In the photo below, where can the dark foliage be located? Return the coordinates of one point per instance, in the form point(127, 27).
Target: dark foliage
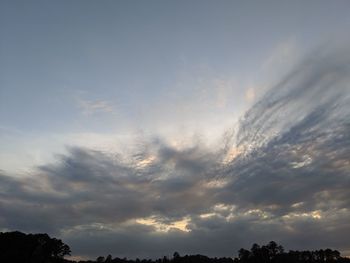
point(274, 253)
point(17, 247)
point(270, 253)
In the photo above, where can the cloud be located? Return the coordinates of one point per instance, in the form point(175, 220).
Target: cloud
point(283, 175)
point(97, 106)
point(250, 94)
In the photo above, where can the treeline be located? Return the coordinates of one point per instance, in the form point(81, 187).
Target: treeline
point(17, 247)
point(176, 259)
point(274, 253)
point(270, 253)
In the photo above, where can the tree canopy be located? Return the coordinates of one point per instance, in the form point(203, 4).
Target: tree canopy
point(32, 248)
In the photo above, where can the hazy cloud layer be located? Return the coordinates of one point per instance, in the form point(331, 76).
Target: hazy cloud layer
point(283, 175)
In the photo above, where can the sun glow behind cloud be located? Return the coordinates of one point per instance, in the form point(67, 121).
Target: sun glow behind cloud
point(165, 227)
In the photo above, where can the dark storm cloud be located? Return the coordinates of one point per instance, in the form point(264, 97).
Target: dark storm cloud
point(88, 186)
point(290, 181)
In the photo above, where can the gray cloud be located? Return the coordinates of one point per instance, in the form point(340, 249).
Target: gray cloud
point(289, 182)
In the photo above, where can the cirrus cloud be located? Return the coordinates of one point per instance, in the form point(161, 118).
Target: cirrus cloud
point(284, 175)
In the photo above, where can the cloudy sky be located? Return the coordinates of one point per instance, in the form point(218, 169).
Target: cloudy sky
point(140, 128)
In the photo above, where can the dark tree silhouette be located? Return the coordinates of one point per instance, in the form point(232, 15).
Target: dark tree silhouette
point(274, 253)
point(38, 248)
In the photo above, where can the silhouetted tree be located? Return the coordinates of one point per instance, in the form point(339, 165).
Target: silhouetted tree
point(108, 259)
point(100, 259)
point(274, 253)
point(243, 255)
point(39, 248)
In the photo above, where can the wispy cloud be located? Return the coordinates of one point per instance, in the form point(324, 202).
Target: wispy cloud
point(283, 175)
point(90, 107)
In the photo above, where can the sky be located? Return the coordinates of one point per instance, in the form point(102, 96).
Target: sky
point(140, 128)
